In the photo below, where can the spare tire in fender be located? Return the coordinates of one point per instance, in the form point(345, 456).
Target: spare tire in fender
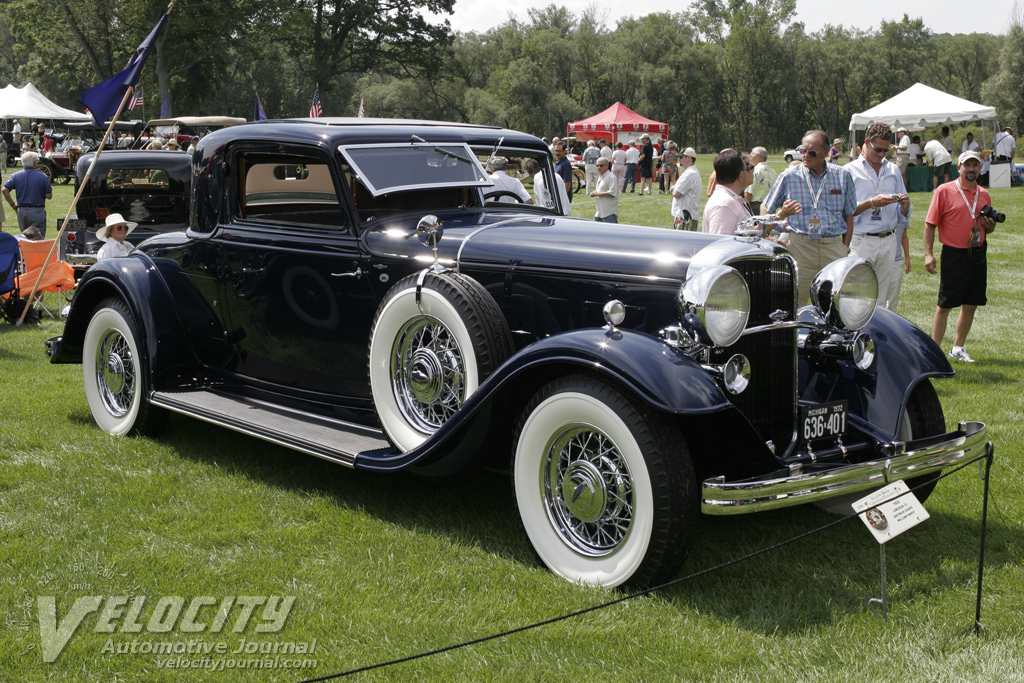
point(426, 359)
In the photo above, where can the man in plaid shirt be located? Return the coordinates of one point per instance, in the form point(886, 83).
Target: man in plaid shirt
point(821, 231)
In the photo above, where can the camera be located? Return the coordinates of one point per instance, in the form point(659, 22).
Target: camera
point(989, 212)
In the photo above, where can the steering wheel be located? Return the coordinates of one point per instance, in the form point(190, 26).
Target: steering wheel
point(497, 194)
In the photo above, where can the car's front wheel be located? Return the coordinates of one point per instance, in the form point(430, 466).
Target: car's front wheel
point(605, 488)
point(428, 356)
point(115, 381)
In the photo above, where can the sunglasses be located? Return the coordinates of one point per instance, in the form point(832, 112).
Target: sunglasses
point(119, 227)
point(750, 167)
point(812, 153)
point(880, 150)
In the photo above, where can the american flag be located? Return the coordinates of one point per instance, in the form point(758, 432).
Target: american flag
point(315, 110)
point(136, 100)
point(362, 109)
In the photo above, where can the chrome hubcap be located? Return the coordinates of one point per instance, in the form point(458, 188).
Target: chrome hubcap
point(427, 373)
point(115, 373)
point(588, 491)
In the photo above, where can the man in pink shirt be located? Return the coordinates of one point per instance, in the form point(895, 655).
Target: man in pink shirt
point(726, 207)
point(956, 212)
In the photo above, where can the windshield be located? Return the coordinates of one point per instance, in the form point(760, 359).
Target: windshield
point(415, 166)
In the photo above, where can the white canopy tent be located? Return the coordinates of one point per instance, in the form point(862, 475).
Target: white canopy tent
point(29, 103)
point(918, 107)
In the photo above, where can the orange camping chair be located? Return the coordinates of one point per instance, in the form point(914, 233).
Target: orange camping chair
point(58, 280)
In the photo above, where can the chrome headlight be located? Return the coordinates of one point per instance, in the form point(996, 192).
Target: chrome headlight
point(845, 292)
point(716, 302)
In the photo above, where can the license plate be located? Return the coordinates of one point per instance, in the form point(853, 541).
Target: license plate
point(823, 421)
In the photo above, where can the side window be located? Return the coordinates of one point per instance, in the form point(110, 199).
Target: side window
point(286, 188)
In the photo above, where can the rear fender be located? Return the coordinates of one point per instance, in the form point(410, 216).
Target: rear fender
point(168, 354)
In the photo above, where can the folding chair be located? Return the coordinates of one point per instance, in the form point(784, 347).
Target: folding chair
point(9, 256)
point(58, 280)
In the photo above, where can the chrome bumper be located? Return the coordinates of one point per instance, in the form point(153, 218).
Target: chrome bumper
point(785, 488)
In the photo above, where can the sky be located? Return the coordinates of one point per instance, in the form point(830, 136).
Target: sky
point(940, 16)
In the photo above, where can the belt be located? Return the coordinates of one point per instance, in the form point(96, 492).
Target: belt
point(30, 206)
point(879, 234)
point(824, 239)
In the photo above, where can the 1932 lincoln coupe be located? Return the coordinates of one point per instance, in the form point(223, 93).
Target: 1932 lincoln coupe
point(358, 290)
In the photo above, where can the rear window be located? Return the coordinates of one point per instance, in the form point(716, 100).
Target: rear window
point(145, 180)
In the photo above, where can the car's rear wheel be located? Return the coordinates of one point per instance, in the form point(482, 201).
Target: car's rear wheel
point(427, 358)
point(605, 488)
point(115, 380)
point(45, 170)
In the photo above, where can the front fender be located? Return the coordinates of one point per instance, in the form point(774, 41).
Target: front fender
point(905, 356)
point(659, 374)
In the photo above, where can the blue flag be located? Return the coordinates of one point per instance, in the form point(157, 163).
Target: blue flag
point(163, 109)
point(260, 115)
point(103, 99)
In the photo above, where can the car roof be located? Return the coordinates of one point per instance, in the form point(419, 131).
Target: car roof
point(356, 131)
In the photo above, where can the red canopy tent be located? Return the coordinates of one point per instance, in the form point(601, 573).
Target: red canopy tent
point(617, 122)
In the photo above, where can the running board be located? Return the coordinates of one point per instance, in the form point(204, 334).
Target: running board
point(333, 440)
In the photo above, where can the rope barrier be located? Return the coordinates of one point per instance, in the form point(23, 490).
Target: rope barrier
point(647, 591)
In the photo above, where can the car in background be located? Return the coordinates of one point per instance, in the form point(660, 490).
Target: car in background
point(148, 188)
point(353, 289)
point(791, 155)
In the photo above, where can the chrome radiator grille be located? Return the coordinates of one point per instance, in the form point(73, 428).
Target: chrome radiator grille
point(770, 398)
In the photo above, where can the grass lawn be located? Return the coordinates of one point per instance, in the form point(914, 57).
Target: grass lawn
point(383, 567)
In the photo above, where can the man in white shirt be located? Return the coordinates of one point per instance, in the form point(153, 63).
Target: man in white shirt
point(686, 193)
point(606, 194)
point(632, 160)
point(882, 207)
point(947, 142)
point(941, 161)
point(725, 208)
point(969, 144)
point(619, 163)
point(763, 178)
point(606, 151)
point(1005, 145)
point(903, 152)
point(506, 183)
point(590, 156)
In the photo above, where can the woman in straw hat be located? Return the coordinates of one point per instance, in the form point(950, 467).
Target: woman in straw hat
point(113, 233)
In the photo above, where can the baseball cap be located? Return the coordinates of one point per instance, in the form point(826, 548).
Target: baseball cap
point(969, 154)
point(689, 152)
point(901, 129)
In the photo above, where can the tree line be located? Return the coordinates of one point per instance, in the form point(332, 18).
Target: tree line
point(723, 72)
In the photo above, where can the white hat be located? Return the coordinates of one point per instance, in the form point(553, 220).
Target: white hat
point(969, 154)
point(103, 234)
point(690, 152)
point(901, 128)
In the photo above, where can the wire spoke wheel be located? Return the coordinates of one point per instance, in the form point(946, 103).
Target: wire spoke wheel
point(588, 491)
point(115, 373)
point(428, 372)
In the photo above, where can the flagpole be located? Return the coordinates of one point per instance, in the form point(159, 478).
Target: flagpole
point(81, 188)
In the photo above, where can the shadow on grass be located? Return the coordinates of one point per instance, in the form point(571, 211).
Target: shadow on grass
point(791, 589)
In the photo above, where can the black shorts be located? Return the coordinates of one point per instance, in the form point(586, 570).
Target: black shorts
point(963, 276)
point(943, 169)
point(645, 171)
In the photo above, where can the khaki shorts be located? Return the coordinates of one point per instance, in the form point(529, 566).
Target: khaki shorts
point(903, 161)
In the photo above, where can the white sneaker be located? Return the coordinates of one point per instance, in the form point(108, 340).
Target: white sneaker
point(960, 353)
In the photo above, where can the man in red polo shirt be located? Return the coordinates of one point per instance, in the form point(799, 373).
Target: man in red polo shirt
point(955, 210)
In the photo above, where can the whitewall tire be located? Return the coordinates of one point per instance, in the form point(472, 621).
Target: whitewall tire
point(605, 489)
point(426, 359)
point(115, 380)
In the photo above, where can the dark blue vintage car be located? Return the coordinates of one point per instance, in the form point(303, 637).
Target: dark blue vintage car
point(355, 289)
point(150, 189)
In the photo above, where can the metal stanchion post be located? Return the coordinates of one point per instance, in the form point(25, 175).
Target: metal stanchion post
point(989, 453)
